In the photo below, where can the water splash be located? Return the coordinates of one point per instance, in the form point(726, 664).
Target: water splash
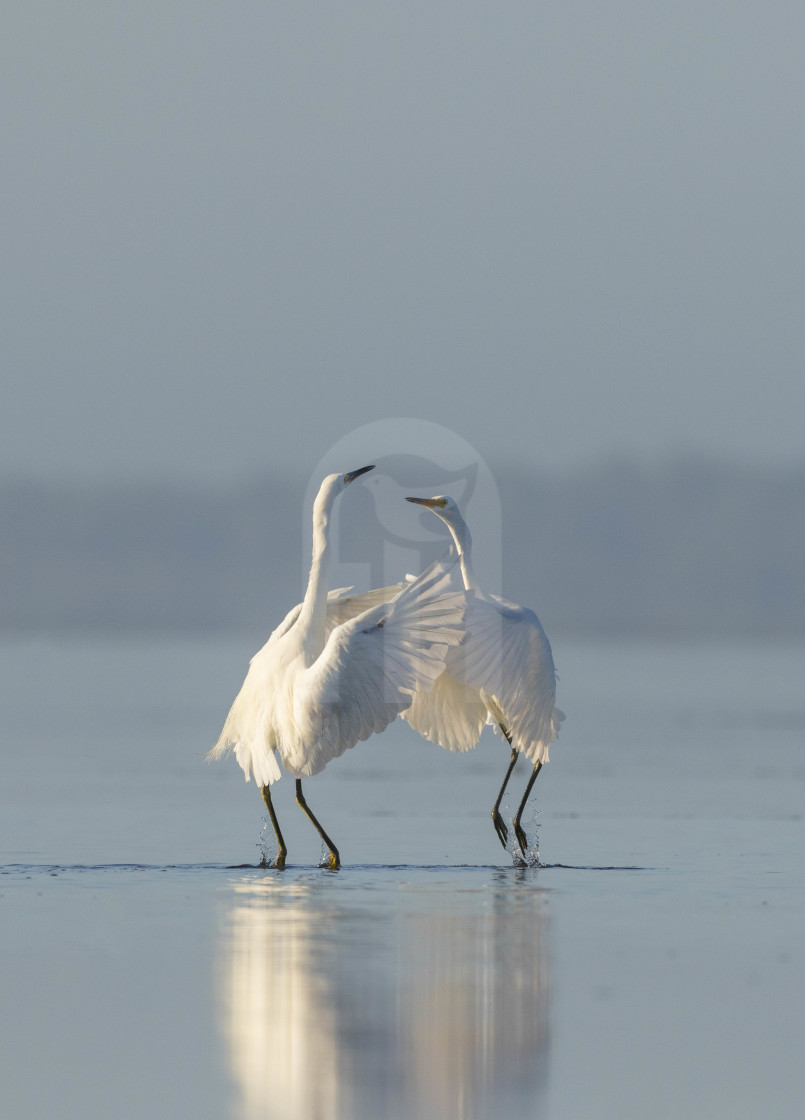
point(267, 845)
point(532, 849)
point(531, 825)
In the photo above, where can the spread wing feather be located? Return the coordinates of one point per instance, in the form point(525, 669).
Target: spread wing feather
point(503, 672)
point(509, 659)
point(374, 663)
point(451, 714)
point(341, 606)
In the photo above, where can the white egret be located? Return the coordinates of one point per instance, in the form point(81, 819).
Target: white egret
point(337, 669)
point(503, 674)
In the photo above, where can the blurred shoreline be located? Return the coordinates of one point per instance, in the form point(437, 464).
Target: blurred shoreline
point(688, 548)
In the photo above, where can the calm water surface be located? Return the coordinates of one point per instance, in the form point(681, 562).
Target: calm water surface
point(652, 967)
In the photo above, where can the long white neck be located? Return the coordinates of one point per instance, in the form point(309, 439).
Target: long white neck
point(313, 615)
point(461, 535)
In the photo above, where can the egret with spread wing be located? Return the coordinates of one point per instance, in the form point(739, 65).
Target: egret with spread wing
point(336, 669)
point(503, 674)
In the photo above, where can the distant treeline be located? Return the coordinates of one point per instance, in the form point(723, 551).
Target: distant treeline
point(688, 548)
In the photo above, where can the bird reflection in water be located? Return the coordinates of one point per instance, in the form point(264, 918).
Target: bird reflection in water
point(403, 1003)
point(281, 1020)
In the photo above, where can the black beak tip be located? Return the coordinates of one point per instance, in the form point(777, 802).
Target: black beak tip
point(350, 476)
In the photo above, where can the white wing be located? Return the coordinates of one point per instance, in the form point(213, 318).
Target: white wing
point(341, 606)
point(451, 714)
point(253, 726)
point(504, 670)
point(248, 729)
point(509, 659)
point(373, 664)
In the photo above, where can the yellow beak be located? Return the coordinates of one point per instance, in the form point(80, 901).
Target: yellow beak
point(429, 502)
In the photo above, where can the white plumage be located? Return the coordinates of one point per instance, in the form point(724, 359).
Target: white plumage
point(337, 668)
point(502, 673)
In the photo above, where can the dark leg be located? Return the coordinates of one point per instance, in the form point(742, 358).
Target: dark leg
point(334, 861)
point(522, 839)
point(279, 863)
point(497, 819)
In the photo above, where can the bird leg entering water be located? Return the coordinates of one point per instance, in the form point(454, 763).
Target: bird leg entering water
point(334, 860)
point(522, 839)
point(497, 819)
point(279, 862)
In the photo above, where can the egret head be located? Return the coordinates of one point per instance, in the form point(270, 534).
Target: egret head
point(442, 506)
point(331, 487)
point(333, 484)
point(350, 476)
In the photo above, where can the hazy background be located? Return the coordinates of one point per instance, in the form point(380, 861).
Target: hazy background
point(570, 232)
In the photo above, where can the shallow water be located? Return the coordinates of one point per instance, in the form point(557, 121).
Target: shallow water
point(652, 967)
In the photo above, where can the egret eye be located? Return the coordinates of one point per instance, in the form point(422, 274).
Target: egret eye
point(443, 502)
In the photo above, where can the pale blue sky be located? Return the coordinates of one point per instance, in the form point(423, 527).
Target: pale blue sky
point(234, 232)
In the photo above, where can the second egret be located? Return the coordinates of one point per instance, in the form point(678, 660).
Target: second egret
point(503, 673)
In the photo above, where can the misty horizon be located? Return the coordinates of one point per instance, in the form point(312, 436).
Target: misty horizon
point(684, 548)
